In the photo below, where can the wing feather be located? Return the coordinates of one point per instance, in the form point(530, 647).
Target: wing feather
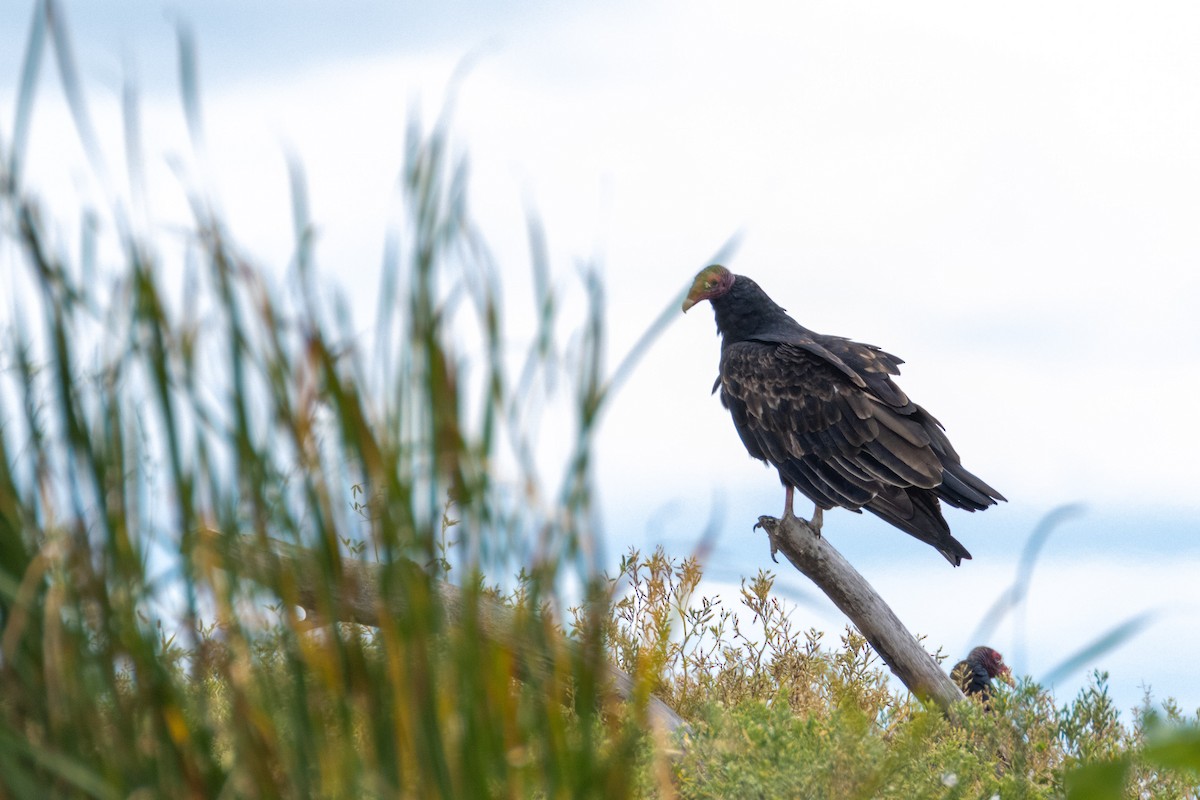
point(827, 415)
point(912, 466)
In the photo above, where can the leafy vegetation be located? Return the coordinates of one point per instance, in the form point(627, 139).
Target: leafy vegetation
point(776, 712)
point(152, 427)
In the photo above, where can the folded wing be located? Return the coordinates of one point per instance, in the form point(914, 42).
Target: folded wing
point(825, 412)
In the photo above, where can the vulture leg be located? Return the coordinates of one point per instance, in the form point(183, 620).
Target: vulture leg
point(817, 518)
point(788, 493)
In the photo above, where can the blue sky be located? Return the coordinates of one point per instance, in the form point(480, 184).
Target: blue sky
point(1006, 197)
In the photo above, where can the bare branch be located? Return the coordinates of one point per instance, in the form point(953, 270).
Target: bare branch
point(816, 558)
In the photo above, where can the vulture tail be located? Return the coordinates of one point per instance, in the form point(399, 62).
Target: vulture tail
point(916, 512)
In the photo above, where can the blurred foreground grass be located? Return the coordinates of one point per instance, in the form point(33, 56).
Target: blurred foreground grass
point(164, 406)
point(159, 413)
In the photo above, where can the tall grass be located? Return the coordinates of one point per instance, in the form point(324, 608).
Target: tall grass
point(148, 439)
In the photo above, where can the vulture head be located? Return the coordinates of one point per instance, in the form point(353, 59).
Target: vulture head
point(975, 673)
point(712, 281)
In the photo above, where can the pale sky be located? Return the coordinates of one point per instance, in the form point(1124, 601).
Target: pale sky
point(1006, 197)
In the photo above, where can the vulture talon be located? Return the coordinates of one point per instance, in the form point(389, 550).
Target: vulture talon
point(770, 525)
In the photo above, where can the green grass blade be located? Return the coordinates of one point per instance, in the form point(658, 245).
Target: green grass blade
point(27, 91)
point(1115, 637)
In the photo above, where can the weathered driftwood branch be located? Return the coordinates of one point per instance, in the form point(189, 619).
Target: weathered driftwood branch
point(850, 592)
point(360, 599)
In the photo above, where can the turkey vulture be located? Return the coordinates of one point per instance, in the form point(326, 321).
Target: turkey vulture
point(825, 412)
point(975, 672)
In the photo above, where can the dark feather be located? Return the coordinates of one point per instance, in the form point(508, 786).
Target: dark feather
point(972, 679)
point(826, 413)
point(974, 674)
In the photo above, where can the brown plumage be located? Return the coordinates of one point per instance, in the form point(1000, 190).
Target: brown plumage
point(825, 412)
point(974, 673)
